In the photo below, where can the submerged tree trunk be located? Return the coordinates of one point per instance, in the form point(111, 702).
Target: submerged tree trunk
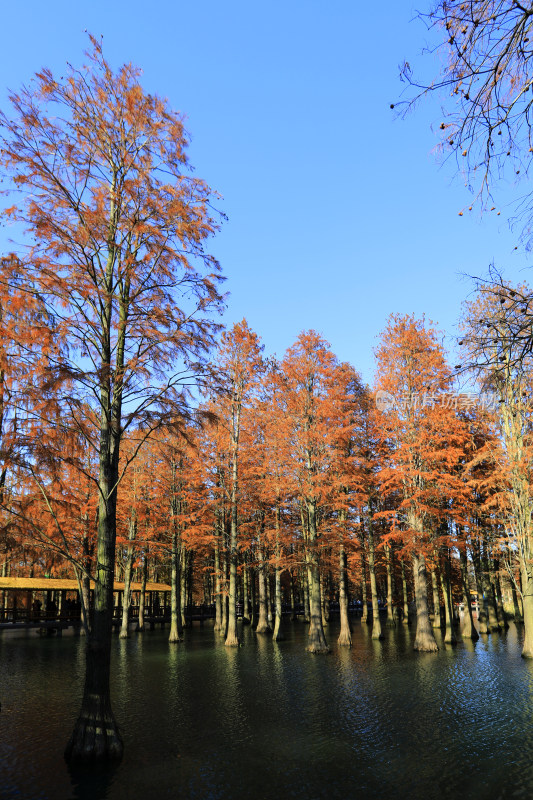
point(317, 639)
point(245, 596)
point(85, 582)
point(262, 623)
point(124, 632)
point(278, 636)
point(516, 607)
point(449, 634)
point(424, 639)
point(224, 625)
point(218, 591)
point(376, 624)
point(405, 616)
point(96, 735)
point(268, 592)
point(293, 599)
point(364, 597)
point(232, 639)
point(391, 622)
point(482, 617)
point(253, 615)
point(142, 598)
point(183, 587)
point(437, 621)
point(527, 602)
point(176, 630)
point(488, 596)
point(322, 600)
point(469, 629)
point(502, 619)
point(305, 583)
point(345, 635)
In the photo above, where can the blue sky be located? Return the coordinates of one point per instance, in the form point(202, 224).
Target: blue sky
point(339, 214)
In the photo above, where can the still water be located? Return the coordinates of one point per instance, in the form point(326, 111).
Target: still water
point(271, 721)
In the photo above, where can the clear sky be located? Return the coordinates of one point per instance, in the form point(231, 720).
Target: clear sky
point(339, 214)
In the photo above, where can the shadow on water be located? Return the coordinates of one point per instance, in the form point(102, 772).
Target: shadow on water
point(268, 720)
point(90, 781)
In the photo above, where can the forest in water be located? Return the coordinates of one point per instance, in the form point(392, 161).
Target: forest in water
point(143, 442)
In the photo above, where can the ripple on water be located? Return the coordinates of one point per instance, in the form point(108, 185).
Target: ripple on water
point(269, 720)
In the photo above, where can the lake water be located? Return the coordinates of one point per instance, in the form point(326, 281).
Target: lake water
point(271, 721)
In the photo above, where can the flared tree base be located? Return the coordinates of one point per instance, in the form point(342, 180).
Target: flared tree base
point(318, 649)
point(263, 627)
point(232, 640)
point(425, 644)
point(345, 639)
point(96, 736)
point(317, 641)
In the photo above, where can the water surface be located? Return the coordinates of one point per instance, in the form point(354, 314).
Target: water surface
point(269, 720)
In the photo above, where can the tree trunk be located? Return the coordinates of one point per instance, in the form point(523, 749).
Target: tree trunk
point(142, 598)
point(527, 603)
point(364, 615)
point(262, 624)
point(449, 634)
point(323, 601)
point(293, 600)
point(498, 596)
point(307, 611)
point(391, 622)
point(488, 595)
point(469, 629)
point(345, 636)
point(405, 617)
point(278, 636)
point(317, 639)
point(132, 529)
point(218, 591)
point(183, 587)
point(253, 617)
point(516, 607)
point(424, 639)
point(437, 619)
point(232, 639)
point(482, 618)
point(376, 623)
point(96, 735)
point(176, 630)
point(245, 596)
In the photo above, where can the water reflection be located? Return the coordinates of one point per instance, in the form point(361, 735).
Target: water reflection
point(269, 720)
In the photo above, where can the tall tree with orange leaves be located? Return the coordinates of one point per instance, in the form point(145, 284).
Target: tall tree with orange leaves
point(239, 364)
point(311, 381)
point(99, 177)
point(413, 382)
